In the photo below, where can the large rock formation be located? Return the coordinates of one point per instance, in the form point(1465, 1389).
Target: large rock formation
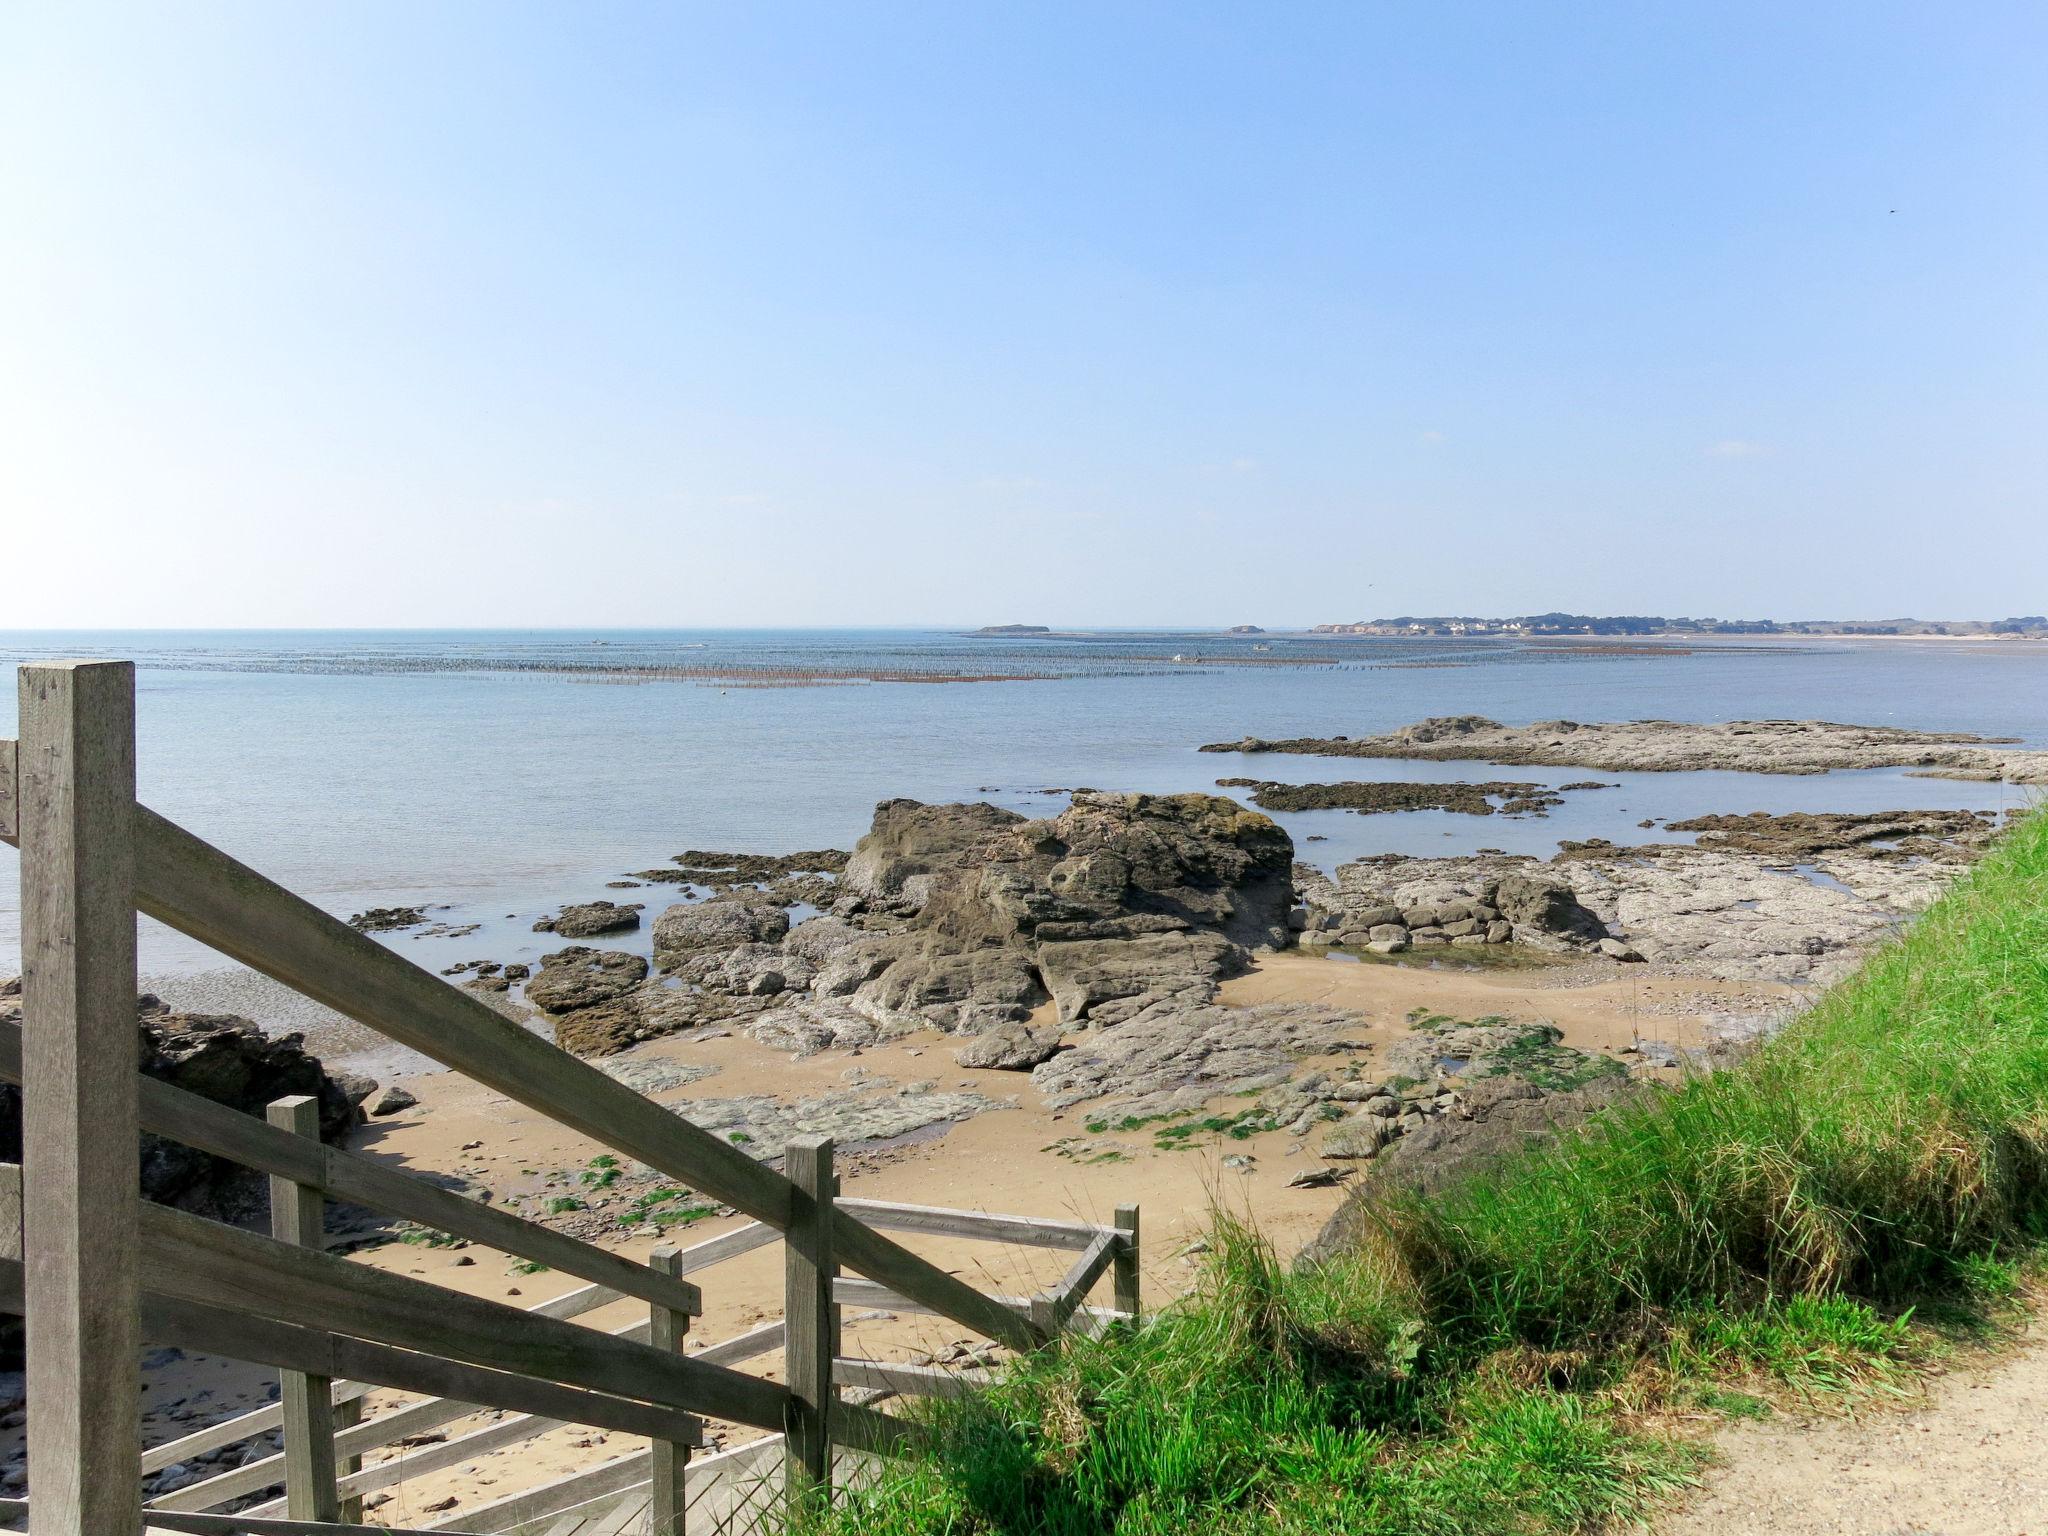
point(1119, 902)
point(963, 917)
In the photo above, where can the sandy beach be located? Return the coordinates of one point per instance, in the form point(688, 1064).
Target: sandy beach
point(1024, 1158)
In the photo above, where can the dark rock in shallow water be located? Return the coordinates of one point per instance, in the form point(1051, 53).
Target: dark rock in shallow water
point(387, 919)
point(1379, 798)
point(1950, 837)
point(724, 870)
point(588, 920)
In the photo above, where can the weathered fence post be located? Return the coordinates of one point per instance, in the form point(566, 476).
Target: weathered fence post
point(666, 1328)
point(807, 1319)
point(297, 1216)
point(1124, 1268)
point(81, 1197)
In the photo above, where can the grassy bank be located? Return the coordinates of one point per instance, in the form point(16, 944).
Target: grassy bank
point(1495, 1359)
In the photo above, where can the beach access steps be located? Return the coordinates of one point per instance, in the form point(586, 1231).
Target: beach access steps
point(97, 1271)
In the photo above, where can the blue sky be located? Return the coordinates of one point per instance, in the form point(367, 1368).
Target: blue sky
point(1094, 313)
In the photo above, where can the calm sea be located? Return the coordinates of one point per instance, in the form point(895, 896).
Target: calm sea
point(504, 772)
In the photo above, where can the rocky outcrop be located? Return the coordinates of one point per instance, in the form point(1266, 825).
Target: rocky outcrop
point(1119, 902)
point(602, 1029)
point(1735, 917)
point(805, 1026)
point(817, 939)
point(1492, 1121)
point(910, 843)
point(1544, 908)
point(1108, 979)
point(1727, 915)
point(960, 916)
point(762, 1125)
point(230, 1061)
point(1669, 746)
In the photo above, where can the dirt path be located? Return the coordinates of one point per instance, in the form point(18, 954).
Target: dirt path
point(1970, 1460)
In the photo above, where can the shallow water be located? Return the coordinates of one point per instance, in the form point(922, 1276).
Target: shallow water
point(472, 769)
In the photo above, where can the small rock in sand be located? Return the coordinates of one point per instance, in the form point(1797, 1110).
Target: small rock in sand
point(392, 1100)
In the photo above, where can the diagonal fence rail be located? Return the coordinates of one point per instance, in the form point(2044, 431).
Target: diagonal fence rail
point(96, 1270)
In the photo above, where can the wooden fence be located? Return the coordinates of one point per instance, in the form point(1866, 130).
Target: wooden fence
point(97, 1271)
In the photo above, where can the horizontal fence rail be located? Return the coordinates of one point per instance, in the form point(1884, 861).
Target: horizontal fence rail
point(14, 1517)
point(240, 1138)
point(221, 1331)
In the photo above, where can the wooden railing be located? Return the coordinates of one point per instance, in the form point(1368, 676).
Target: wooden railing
point(97, 1270)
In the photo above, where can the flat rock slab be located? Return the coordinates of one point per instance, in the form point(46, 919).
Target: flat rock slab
point(808, 1026)
point(1191, 1054)
point(1672, 746)
point(762, 1125)
point(652, 1075)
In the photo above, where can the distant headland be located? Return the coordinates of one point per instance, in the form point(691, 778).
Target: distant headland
point(2032, 625)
